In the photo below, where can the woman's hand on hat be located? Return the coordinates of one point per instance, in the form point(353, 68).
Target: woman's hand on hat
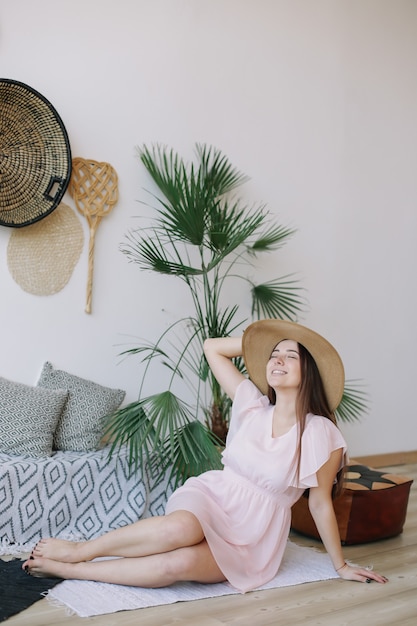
point(360, 574)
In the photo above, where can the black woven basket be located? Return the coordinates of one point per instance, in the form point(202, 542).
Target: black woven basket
point(35, 155)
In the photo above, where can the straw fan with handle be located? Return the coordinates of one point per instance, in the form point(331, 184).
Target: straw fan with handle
point(94, 187)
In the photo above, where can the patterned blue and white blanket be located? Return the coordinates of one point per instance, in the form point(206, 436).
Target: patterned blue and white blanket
point(77, 495)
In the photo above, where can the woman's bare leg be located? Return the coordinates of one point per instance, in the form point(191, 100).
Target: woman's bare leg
point(149, 536)
point(195, 563)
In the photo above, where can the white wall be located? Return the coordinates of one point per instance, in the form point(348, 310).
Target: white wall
point(315, 100)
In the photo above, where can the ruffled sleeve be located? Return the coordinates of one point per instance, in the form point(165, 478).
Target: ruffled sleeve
point(320, 438)
point(247, 398)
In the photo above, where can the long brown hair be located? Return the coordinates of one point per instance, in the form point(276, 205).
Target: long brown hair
point(311, 398)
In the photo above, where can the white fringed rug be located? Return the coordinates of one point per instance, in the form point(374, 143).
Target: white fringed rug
point(87, 599)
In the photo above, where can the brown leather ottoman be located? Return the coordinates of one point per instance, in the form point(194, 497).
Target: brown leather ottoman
point(372, 506)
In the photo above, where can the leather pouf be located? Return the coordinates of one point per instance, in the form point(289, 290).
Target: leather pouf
point(372, 506)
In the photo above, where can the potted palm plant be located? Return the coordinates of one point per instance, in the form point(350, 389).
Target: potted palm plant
point(209, 240)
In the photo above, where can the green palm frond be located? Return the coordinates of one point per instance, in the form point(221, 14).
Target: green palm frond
point(230, 225)
point(130, 426)
point(272, 239)
point(195, 449)
point(182, 209)
point(354, 403)
point(277, 298)
point(190, 193)
point(147, 349)
point(222, 322)
point(217, 172)
point(166, 414)
point(156, 254)
point(166, 169)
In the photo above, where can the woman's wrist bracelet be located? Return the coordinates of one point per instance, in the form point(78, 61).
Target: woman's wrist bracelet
point(341, 567)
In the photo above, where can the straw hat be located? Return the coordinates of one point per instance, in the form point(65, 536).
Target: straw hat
point(261, 337)
point(35, 155)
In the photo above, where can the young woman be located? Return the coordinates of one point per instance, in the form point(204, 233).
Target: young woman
point(233, 524)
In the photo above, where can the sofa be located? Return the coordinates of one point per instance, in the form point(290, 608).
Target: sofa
point(73, 495)
point(57, 477)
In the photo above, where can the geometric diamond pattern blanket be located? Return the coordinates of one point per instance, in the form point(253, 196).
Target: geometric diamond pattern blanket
point(77, 495)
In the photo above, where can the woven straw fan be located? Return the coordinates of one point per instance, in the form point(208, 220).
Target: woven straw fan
point(93, 186)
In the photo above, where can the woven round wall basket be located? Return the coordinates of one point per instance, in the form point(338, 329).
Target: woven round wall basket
point(35, 155)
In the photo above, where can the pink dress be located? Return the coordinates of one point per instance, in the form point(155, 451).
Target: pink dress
point(245, 509)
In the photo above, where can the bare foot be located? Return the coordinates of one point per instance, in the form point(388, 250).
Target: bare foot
point(58, 550)
point(44, 568)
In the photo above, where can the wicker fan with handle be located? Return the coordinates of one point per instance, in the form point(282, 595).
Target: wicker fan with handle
point(94, 187)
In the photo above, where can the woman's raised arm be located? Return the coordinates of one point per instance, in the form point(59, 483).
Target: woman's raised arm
point(219, 352)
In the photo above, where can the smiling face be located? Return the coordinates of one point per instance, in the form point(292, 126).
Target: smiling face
point(283, 370)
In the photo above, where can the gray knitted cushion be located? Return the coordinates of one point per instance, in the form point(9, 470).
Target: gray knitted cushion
point(81, 425)
point(28, 417)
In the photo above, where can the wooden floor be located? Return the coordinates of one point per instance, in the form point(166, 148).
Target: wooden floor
point(333, 603)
